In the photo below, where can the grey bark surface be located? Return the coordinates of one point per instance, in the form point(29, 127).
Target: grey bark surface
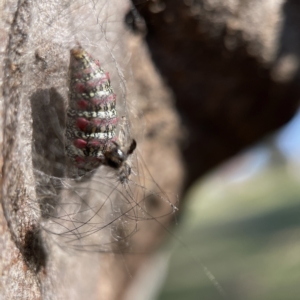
point(36, 38)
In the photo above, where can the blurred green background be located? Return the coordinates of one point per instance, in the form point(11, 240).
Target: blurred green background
point(242, 222)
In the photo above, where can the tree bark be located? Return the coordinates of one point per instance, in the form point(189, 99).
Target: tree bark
point(232, 68)
point(37, 257)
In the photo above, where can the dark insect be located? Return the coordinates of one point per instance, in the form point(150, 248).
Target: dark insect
point(91, 138)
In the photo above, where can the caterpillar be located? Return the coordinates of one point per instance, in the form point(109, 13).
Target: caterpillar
point(91, 139)
point(85, 210)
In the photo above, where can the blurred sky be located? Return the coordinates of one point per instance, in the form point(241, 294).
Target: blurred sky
point(288, 139)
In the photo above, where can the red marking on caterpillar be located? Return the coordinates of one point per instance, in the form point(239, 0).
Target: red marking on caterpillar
point(80, 143)
point(100, 125)
point(80, 88)
point(107, 76)
point(92, 118)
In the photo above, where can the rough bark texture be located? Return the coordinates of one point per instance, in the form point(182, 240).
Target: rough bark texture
point(36, 38)
point(232, 67)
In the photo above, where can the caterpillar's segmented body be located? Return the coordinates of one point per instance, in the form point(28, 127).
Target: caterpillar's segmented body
point(91, 138)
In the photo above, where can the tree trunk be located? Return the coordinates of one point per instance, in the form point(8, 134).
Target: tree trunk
point(54, 228)
point(231, 66)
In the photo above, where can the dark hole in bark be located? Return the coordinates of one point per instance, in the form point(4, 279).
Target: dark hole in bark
point(33, 250)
